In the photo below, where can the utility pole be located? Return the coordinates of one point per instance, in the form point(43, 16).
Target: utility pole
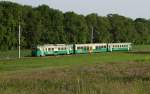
point(92, 35)
point(19, 41)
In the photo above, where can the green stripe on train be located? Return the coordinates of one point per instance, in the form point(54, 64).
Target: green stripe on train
point(81, 51)
point(100, 50)
point(44, 53)
point(118, 49)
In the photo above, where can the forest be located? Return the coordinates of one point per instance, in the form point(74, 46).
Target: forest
point(45, 25)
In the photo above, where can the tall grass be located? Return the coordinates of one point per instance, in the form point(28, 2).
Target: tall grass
point(111, 78)
point(102, 73)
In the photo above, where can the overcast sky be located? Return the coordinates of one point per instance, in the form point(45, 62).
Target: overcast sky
point(129, 8)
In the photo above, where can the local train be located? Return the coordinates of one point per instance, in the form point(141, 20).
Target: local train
point(62, 49)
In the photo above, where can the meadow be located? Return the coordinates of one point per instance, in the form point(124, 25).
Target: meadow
point(100, 73)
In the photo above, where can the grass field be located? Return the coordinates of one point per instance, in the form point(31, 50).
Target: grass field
point(14, 54)
point(103, 73)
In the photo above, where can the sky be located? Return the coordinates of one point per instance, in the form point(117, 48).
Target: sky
point(129, 8)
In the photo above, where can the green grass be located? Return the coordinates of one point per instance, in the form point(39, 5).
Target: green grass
point(13, 54)
point(102, 73)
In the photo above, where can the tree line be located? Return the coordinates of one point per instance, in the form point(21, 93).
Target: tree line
point(44, 25)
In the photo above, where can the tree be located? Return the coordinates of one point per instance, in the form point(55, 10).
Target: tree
point(75, 28)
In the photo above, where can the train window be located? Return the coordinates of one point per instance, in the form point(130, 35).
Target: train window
point(52, 49)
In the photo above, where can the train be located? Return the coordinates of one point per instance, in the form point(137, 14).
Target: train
point(67, 49)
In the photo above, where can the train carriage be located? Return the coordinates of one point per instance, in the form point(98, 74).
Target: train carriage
point(119, 47)
point(52, 49)
point(90, 48)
